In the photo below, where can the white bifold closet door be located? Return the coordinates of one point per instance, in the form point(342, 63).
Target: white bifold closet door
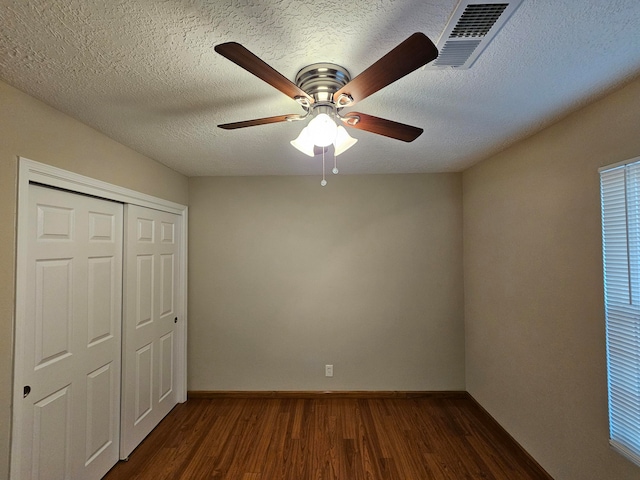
point(69, 423)
point(151, 280)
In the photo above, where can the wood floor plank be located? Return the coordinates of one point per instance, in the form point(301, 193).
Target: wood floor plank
point(329, 438)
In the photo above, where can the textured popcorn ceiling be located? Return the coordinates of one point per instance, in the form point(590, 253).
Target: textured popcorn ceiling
point(144, 72)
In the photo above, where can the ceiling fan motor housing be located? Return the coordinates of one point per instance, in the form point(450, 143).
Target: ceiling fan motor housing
point(321, 80)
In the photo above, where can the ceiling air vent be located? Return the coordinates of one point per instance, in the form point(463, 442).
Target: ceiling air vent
point(470, 29)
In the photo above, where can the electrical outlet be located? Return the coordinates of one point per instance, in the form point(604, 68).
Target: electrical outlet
point(328, 370)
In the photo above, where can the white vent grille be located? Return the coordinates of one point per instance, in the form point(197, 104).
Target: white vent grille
point(455, 54)
point(470, 29)
point(477, 20)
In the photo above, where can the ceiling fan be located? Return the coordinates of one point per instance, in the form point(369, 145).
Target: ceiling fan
point(324, 89)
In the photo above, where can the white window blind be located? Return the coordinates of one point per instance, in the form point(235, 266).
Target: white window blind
point(620, 197)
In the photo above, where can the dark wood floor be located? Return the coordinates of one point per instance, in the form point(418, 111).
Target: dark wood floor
point(430, 437)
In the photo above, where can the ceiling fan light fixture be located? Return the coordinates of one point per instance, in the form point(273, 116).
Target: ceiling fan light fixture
point(343, 141)
point(322, 130)
point(304, 142)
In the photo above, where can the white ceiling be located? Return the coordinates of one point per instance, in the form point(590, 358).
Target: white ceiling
point(144, 72)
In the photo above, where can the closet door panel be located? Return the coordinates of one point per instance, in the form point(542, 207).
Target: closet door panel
point(150, 322)
point(71, 361)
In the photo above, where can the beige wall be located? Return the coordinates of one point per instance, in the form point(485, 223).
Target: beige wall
point(534, 314)
point(286, 276)
point(33, 130)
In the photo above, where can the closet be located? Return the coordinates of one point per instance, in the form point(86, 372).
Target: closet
point(100, 323)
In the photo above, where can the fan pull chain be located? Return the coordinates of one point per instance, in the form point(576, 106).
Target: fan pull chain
point(323, 182)
point(335, 163)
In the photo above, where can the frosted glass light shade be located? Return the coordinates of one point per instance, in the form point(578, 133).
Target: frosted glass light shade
point(304, 142)
point(343, 141)
point(322, 130)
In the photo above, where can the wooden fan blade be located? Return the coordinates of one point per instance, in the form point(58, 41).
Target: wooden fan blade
point(260, 121)
point(381, 126)
point(414, 52)
point(251, 63)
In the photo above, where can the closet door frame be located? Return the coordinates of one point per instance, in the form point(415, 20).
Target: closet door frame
point(35, 172)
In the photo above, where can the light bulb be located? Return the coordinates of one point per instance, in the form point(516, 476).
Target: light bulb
point(322, 130)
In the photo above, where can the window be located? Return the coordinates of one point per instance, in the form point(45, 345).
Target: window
point(620, 197)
